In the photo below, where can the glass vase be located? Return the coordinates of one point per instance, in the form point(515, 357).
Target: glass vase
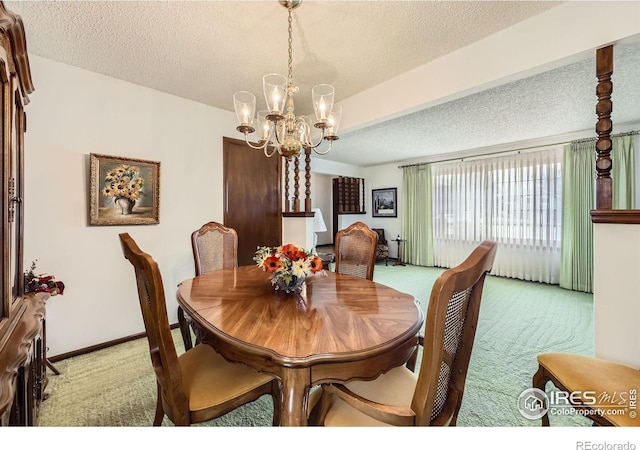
point(294, 286)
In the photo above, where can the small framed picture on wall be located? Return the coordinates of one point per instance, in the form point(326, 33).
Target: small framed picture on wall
point(384, 202)
point(123, 191)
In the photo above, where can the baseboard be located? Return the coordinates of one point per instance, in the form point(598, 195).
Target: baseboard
point(93, 348)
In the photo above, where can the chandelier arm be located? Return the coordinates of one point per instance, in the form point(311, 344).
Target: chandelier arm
point(314, 146)
point(266, 151)
point(275, 132)
point(260, 147)
point(325, 152)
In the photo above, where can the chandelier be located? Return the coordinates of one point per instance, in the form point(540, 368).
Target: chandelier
point(281, 130)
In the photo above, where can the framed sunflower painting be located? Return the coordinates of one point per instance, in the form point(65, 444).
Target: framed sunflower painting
point(123, 191)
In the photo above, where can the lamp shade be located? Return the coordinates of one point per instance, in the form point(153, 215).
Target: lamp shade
point(265, 127)
point(274, 87)
point(245, 105)
point(318, 222)
point(322, 97)
point(334, 120)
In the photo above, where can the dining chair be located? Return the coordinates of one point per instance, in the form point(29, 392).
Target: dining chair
point(356, 248)
point(215, 247)
point(576, 375)
point(199, 385)
point(433, 396)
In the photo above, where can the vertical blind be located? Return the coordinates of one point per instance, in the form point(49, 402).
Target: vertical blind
point(515, 200)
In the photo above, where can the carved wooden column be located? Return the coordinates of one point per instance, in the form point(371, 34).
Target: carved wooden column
point(307, 184)
point(604, 69)
point(287, 206)
point(296, 185)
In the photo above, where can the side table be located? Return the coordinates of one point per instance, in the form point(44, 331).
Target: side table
point(399, 259)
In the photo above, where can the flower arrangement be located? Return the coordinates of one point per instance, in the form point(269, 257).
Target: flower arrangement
point(123, 182)
point(288, 265)
point(41, 283)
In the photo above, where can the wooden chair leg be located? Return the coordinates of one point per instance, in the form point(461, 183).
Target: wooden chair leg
point(159, 409)
point(276, 392)
point(540, 379)
point(184, 329)
point(319, 411)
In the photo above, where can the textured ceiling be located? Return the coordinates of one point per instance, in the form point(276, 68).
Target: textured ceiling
point(205, 51)
point(556, 102)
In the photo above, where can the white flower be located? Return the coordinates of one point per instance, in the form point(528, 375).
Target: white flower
point(300, 268)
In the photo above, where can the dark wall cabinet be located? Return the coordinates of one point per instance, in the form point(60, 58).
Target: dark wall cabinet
point(22, 352)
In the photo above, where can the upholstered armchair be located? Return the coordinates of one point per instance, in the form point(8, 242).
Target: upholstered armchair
point(383, 247)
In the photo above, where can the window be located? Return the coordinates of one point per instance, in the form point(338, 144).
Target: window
point(515, 200)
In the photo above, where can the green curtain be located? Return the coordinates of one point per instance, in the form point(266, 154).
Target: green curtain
point(417, 214)
point(578, 191)
point(576, 252)
point(623, 173)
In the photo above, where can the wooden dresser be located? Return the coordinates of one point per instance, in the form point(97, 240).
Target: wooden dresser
point(22, 350)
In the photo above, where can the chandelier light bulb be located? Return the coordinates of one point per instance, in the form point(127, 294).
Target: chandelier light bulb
point(245, 105)
point(264, 125)
point(274, 87)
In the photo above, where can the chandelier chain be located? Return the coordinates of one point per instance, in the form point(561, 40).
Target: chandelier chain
point(290, 30)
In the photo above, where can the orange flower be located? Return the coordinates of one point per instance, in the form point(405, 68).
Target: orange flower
point(290, 250)
point(298, 255)
point(272, 263)
point(316, 264)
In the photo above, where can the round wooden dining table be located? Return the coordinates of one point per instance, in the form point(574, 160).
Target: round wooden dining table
point(339, 328)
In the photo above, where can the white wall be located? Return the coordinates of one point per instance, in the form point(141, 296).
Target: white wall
point(375, 177)
point(322, 197)
point(323, 172)
point(615, 292)
point(73, 113)
point(381, 177)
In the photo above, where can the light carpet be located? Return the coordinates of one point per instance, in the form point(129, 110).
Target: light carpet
point(518, 319)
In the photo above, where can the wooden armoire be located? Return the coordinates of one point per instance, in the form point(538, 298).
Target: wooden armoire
point(22, 350)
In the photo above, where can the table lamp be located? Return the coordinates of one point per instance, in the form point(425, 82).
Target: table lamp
point(318, 225)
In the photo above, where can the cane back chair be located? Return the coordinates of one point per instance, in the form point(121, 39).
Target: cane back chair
point(214, 247)
point(433, 396)
point(356, 248)
point(199, 385)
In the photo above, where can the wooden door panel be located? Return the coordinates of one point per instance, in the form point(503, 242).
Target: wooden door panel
point(12, 189)
point(252, 198)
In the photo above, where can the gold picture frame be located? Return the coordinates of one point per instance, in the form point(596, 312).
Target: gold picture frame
point(123, 191)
